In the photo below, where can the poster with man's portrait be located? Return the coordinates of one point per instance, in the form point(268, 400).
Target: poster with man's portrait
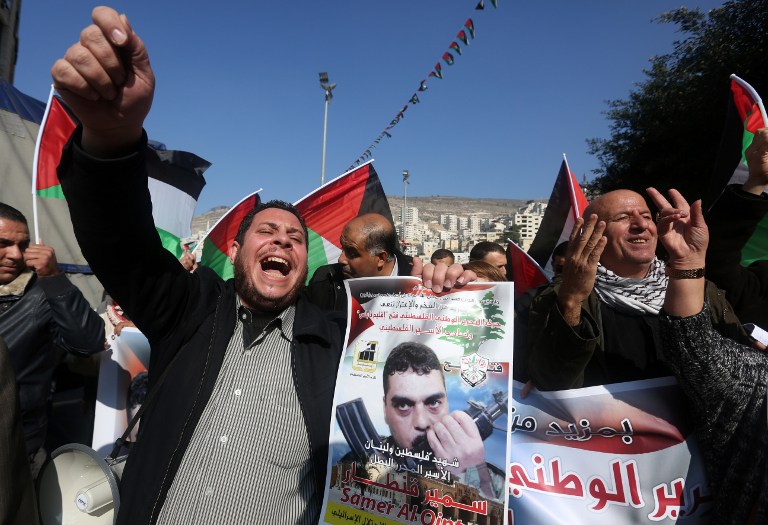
point(419, 431)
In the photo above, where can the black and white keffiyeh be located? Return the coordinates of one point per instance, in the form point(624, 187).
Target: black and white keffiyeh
point(638, 296)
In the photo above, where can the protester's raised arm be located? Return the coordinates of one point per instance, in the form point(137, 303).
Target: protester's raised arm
point(684, 234)
point(107, 81)
point(585, 246)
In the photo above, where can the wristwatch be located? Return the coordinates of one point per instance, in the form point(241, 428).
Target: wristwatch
point(692, 273)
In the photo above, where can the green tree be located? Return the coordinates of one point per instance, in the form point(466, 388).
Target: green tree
point(666, 134)
point(513, 234)
point(483, 322)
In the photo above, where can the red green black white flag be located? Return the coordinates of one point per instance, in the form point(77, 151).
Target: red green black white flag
point(55, 129)
point(216, 243)
point(330, 207)
point(175, 177)
point(566, 204)
point(746, 114)
point(526, 272)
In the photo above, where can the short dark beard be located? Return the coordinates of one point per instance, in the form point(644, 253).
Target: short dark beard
point(253, 299)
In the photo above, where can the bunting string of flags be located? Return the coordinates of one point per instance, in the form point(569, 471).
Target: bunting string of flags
point(465, 35)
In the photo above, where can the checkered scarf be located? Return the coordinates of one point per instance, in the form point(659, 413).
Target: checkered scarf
point(638, 296)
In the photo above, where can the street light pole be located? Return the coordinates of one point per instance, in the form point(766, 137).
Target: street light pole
point(328, 88)
point(406, 176)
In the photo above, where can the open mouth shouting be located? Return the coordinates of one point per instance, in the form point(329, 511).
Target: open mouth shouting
point(275, 267)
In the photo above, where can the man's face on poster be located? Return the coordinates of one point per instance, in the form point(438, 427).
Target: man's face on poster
point(413, 404)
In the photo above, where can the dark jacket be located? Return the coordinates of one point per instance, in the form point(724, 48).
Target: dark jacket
point(17, 495)
point(562, 357)
point(732, 221)
point(326, 288)
point(39, 323)
point(192, 314)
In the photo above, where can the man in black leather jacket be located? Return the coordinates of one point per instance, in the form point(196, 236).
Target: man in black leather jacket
point(42, 314)
point(257, 441)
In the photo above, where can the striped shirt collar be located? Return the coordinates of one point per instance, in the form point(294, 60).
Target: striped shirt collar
point(254, 327)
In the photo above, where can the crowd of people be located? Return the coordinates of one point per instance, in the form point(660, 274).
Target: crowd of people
point(613, 312)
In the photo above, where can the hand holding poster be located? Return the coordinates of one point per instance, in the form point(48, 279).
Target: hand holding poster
point(419, 428)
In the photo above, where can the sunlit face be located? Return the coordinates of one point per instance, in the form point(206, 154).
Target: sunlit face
point(354, 258)
point(271, 264)
point(630, 231)
point(413, 404)
point(14, 239)
point(499, 260)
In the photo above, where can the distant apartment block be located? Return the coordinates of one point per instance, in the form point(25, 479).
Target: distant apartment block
point(528, 218)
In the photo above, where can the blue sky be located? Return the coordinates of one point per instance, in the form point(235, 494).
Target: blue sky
point(237, 84)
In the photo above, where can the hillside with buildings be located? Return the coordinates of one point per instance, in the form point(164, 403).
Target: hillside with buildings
point(455, 223)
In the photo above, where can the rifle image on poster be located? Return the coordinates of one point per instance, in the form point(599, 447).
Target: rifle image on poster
point(364, 440)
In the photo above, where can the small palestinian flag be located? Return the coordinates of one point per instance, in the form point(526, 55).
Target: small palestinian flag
point(462, 35)
point(566, 204)
point(455, 47)
point(525, 272)
point(746, 114)
point(470, 27)
point(438, 72)
point(329, 208)
point(448, 58)
point(55, 129)
point(216, 243)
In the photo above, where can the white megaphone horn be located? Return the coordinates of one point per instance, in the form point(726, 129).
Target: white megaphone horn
point(77, 487)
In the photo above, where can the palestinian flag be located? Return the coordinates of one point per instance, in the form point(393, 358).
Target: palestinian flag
point(55, 129)
point(746, 114)
point(175, 177)
point(525, 272)
point(215, 245)
point(329, 208)
point(470, 26)
point(566, 204)
point(175, 182)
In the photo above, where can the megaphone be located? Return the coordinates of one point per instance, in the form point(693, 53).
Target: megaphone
point(77, 487)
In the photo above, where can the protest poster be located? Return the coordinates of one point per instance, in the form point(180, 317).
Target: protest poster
point(622, 453)
point(381, 468)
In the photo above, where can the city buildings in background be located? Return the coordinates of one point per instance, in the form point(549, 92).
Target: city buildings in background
point(455, 223)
